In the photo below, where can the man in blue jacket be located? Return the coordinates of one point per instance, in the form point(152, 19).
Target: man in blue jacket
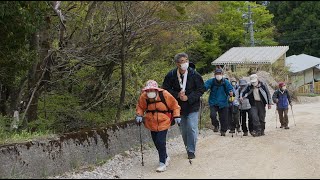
point(282, 99)
point(220, 90)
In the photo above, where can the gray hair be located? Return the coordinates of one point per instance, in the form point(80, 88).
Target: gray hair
point(180, 55)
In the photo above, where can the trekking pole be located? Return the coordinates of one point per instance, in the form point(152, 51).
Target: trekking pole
point(241, 122)
point(293, 116)
point(141, 146)
point(231, 123)
point(200, 112)
point(275, 112)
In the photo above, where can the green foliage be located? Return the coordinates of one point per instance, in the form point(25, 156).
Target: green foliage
point(18, 20)
point(8, 136)
point(297, 25)
point(227, 31)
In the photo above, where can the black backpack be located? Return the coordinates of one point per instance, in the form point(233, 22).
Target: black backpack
point(168, 112)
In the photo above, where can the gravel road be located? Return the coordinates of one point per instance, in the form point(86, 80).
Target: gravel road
point(281, 153)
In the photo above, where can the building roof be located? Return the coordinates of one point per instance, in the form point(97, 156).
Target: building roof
point(298, 63)
point(251, 55)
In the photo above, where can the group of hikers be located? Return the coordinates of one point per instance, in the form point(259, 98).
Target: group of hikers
point(178, 102)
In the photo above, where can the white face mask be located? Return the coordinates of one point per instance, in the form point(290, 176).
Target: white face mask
point(218, 77)
point(152, 95)
point(184, 66)
point(233, 83)
point(255, 83)
point(283, 88)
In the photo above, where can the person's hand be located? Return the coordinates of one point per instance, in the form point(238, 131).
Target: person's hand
point(139, 119)
point(269, 106)
point(177, 120)
point(181, 93)
point(276, 100)
point(184, 98)
point(231, 99)
point(241, 99)
point(230, 93)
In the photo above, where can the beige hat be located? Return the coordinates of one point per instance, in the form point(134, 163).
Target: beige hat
point(253, 78)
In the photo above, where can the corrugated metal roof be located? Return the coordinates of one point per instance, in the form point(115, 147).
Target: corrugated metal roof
point(251, 55)
point(297, 63)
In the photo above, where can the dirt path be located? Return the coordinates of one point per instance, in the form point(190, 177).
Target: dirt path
point(293, 153)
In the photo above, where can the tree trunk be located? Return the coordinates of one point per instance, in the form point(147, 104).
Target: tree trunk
point(123, 80)
point(16, 97)
point(3, 99)
point(36, 76)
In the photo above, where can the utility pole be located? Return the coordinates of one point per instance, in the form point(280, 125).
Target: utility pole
point(250, 25)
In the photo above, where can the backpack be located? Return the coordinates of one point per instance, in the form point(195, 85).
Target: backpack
point(214, 83)
point(168, 112)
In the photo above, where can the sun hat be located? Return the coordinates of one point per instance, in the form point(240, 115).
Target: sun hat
point(151, 84)
point(253, 78)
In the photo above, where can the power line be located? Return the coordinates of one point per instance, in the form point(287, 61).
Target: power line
point(298, 32)
point(301, 40)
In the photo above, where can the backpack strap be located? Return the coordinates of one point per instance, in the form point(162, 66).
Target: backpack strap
point(162, 100)
point(223, 83)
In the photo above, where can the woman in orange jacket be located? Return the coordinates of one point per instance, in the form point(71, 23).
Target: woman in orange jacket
point(155, 117)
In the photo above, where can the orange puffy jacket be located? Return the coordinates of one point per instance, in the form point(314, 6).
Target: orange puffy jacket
point(157, 121)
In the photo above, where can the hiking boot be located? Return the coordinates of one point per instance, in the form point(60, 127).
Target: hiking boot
point(262, 133)
point(256, 133)
point(245, 134)
point(216, 129)
point(287, 127)
point(223, 133)
point(232, 131)
point(162, 167)
point(167, 161)
point(281, 126)
point(191, 155)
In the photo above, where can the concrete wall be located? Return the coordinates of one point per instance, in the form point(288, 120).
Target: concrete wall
point(37, 159)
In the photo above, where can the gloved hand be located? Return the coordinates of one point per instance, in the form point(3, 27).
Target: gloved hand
point(139, 119)
point(177, 120)
point(231, 99)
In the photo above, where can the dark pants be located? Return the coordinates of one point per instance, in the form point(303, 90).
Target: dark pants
point(243, 115)
point(258, 114)
point(159, 139)
point(233, 117)
point(223, 117)
point(283, 117)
